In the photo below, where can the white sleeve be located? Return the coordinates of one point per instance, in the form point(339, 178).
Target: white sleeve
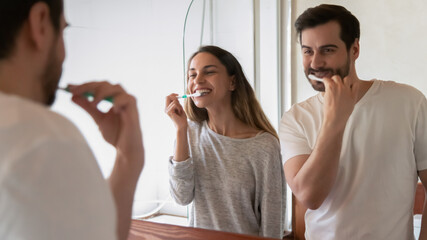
point(420, 145)
point(293, 141)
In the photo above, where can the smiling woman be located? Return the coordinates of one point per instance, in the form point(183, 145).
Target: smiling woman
point(227, 157)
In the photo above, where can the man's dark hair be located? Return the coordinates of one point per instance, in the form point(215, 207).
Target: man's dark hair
point(312, 17)
point(13, 14)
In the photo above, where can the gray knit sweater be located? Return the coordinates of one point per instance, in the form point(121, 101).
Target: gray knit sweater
point(236, 185)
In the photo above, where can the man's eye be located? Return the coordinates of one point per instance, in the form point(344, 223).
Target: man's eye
point(328, 50)
point(307, 52)
point(192, 75)
point(210, 73)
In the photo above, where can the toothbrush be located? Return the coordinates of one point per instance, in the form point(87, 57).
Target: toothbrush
point(197, 94)
point(88, 94)
point(313, 77)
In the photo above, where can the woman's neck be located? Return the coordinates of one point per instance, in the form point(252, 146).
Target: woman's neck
point(224, 122)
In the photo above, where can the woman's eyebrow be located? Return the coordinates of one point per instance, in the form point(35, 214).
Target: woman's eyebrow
point(207, 66)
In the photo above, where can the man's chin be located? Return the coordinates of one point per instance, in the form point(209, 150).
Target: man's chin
point(318, 86)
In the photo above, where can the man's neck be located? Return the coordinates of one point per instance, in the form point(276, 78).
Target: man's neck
point(15, 80)
point(363, 88)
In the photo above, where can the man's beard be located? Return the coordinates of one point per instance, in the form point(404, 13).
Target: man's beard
point(320, 86)
point(50, 77)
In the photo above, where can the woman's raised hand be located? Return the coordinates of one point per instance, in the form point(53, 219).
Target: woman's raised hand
point(176, 112)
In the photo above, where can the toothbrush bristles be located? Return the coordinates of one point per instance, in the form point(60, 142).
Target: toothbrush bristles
point(313, 77)
point(196, 94)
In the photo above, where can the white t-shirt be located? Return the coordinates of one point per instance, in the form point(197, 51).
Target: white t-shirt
point(384, 145)
point(50, 184)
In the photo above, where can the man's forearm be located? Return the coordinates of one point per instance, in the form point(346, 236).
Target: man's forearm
point(123, 181)
point(423, 232)
point(316, 177)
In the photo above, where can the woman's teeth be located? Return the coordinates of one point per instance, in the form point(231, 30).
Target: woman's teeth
point(203, 91)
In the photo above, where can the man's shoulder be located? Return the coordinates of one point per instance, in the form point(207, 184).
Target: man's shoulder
point(309, 106)
point(399, 95)
point(400, 88)
point(20, 113)
point(302, 117)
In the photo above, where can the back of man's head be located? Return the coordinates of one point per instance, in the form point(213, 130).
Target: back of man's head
point(312, 17)
point(13, 14)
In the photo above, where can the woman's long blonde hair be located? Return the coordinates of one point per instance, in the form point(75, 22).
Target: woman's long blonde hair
point(243, 101)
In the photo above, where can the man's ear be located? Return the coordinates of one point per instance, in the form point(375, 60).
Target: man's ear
point(39, 25)
point(355, 49)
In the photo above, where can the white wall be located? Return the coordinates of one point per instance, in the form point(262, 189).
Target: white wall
point(137, 43)
point(393, 42)
point(234, 31)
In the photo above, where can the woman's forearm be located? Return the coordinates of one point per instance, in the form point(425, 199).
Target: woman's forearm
point(181, 148)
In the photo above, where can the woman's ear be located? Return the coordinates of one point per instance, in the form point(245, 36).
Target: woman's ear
point(233, 83)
